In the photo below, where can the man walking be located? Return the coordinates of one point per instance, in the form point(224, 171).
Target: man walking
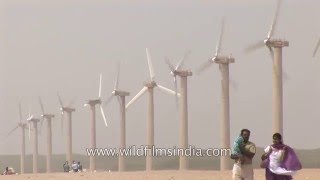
point(242, 168)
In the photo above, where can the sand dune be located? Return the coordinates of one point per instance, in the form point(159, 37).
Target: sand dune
point(308, 174)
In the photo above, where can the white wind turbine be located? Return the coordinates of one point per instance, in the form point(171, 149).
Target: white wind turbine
point(121, 97)
point(149, 86)
point(316, 49)
point(275, 48)
point(223, 62)
point(68, 110)
point(34, 122)
point(23, 127)
point(92, 104)
point(177, 71)
point(48, 118)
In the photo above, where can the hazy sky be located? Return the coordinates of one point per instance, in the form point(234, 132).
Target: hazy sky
point(49, 46)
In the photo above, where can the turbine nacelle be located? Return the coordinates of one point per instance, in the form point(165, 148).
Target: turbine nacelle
point(33, 120)
point(67, 109)
point(266, 41)
point(150, 84)
point(93, 102)
point(49, 116)
point(223, 59)
point(120, 93)
point(275, 42)
point(182, 73)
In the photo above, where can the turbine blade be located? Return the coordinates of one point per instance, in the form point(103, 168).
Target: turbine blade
point(41, 105)
point(316, 49)
point(254, 47)
point(143, 90)
point(151, 70)
point(171, 67)
point(168, 91)
point(60, 100)
point(100, 85)
point(12, 131)
point(180, 64)
point(30, 117)
point(116, 84)
point(274, 21)
point(20, 112)
point(29, 133)
point(41, 122)
point(103, 116)
point(119, 100)
point(271, 52)
point(204, 66)
point(61, 122)
point(176, 91)
point(218, 47)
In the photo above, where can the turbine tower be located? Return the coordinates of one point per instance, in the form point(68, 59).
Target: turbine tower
point(177, 71)
point(121, 96)
point(23, 127)
point(92, 104)
point(223, 62)
point(68, 110)
point(34, 122)
point(149, 86)
point(47, 117)
point(316, 49)
point(275, 48)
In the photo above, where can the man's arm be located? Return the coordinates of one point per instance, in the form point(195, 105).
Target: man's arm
point(266, 154)
point(247, 152)
point(233, 156)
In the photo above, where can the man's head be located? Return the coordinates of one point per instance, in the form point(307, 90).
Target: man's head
point(245, 133)
point(277, 138)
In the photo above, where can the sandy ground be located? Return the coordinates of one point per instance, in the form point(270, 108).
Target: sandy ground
point(309, 174)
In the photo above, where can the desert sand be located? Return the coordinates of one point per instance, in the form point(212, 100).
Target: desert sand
point(309, 174)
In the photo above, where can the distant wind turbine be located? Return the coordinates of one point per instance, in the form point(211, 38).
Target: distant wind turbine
point(121, 97)
point(23, 127)
point(177, 71)
point(34, 122)
point(149, 86)
point(92, 104)
point(223, 62)
point(68, 110)
point(275, 48)
point(48, 117)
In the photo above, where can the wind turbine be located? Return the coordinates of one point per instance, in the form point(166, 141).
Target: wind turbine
point(23, 127)
point(149, 86)
point(275, 48)
point(121, 96)
point(177, 71)
point(68, 110)
point(34, 122)
point(47, 117)
point(223, 62)
point(316, 49)
point(92, 104)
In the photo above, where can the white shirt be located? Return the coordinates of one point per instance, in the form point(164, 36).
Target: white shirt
point(275, 161)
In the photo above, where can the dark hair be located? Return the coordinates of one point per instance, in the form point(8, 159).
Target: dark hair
point(277, 135)
point(244, 130)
